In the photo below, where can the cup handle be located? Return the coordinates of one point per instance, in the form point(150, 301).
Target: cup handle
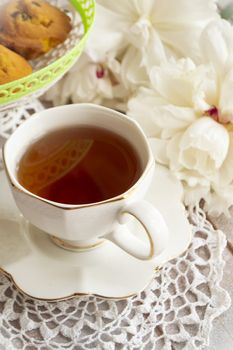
point(154, 226)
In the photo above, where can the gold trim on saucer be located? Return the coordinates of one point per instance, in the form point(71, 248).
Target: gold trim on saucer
point(69, 246)
point(74, 295)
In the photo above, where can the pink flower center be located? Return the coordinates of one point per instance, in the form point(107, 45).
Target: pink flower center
point(100, 72)
point(213, 113)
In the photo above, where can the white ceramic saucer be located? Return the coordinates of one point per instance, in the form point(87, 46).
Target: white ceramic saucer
point(42, 270)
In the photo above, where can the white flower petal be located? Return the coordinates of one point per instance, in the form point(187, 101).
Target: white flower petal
point(139, 33)
point(193, 195)
point(154, 50)
point(172, 82)
point(226, 171)
point(172, 119)
point(146, 6)
point(173, 152)
point(105, 87)
point(133, 72)
point(190, 176)
point(106, 35)
point(226, 100)
point(159, 150)
point(205, 88)
point(176, 40)
point(204, 146)
point(219, 200)
point(184, 11)
point(216, 44)
point(179, 24)
point(113, 64)
point(140, 107)
point(121, 7)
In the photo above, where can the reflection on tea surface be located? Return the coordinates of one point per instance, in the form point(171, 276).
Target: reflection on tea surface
point(79, 165)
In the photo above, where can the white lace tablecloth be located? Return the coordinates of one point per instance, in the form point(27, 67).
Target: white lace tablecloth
point(175, 311)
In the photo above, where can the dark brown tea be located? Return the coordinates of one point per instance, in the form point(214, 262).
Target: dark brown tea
point(79, 165)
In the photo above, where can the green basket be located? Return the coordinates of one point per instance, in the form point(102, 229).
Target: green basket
point(43, 78)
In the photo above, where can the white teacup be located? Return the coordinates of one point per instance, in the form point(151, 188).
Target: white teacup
point(85, 226)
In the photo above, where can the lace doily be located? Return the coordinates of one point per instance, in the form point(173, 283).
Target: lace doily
point(174, 312)
point(11, 118)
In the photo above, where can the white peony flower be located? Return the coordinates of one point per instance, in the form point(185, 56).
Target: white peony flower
point(189, 112)
point(96, 77)
point(128, 38)
point(93, 82)
point(155, 30)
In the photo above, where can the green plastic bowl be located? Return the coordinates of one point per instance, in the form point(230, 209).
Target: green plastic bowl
point(42, 79)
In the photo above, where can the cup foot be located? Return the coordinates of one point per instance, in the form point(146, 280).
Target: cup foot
point(72, 246)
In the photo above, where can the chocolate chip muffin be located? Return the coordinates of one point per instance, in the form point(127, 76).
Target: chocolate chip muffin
point(32, 27)
point(12, 66)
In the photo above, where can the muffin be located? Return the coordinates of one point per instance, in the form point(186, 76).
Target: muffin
point(12, 66)
point(32, 27)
